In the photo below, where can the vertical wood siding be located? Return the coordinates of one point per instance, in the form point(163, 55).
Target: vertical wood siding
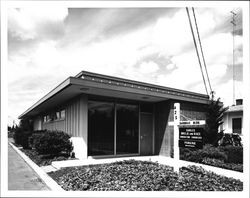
point(71, 124)
point(73, 117)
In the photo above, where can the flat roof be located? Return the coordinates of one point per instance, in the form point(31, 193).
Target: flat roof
point(103, 85)
point(235, 108)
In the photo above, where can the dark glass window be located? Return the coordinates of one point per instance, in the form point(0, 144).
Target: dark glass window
point(146, 108)
point(237, 125)
point(127, 128)
point(62, 114)
point(100, 128)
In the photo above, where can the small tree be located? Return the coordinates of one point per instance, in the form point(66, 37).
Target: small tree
point(215, 111)
point(23, 132)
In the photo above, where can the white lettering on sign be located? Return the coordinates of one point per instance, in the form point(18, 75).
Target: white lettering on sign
point(193, 122)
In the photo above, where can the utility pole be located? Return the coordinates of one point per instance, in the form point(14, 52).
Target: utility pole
point(234, 24)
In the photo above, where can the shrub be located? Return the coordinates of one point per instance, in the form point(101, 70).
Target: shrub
point(208, 151)
point(234, 154)
point(34, 135)
point(21, 137)
point(233, 139)
point(185, 153)
point(23, 132)
point(52, 142)
point(221, 164)
point(214, 118)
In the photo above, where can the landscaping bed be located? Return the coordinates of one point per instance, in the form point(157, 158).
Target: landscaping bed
point(43, 147)
point(134, 175)
point(227, 157)
point(44, 160)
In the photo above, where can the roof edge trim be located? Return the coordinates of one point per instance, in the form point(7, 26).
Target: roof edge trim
point(96, 75)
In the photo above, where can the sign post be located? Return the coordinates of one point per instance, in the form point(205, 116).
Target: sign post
point(176, 136)
point(187, 137)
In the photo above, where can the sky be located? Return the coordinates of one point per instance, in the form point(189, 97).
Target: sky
point(154, 45)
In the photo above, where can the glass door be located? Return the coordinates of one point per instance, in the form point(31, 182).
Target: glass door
point(100, 128)
point(112, 128)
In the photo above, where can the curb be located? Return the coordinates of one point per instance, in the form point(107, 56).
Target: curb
point(42, 174)
point(216, 170)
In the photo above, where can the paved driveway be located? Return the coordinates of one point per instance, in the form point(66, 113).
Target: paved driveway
point(21, 176)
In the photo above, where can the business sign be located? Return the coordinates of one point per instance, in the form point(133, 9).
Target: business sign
point(190, 144)
point(191, 137)
point(193, 122)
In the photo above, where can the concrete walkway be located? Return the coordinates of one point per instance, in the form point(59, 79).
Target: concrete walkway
point(20, 175)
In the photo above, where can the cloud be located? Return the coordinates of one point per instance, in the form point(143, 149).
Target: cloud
point(148, 67)
point(149, 45)
point(170, 66)
point(98, 24)
point(225, 91)
point(168, 33)
point(28, 23)
point(186, 72)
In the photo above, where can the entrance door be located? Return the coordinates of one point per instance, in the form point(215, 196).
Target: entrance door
point(146, 134)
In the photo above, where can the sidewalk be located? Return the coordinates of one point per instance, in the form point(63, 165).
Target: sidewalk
point(21, 176)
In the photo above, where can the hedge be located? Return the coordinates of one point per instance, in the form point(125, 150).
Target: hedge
point(208, 151)
point(21, 137)
point(234, 154)
point(34, 135)
point(52, 142)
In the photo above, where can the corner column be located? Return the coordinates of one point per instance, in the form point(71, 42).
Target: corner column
point(80, 142)
point(83, 124)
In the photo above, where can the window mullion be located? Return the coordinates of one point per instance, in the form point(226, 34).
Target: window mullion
point(115, 129)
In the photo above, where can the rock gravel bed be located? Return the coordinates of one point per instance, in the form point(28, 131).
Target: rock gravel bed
point(132, 175)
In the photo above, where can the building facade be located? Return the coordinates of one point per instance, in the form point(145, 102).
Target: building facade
point(111, 117)
point(233, 118)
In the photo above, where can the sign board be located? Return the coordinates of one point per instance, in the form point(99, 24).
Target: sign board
point(191, 137)
point(193, 122)
point(189, 122)
point(190, 144)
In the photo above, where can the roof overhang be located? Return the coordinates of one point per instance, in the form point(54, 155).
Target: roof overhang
point(235, 108)
point(96, 84)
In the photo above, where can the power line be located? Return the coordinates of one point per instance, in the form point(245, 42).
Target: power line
point(204, 62)
point(196, 49)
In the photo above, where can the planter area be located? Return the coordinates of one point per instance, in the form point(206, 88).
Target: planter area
point(43, 147)
point(227, 157)
point(44, 160)
point(132, 175)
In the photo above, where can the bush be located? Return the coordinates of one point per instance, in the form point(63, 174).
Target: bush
point(52, 142)
point(234, 154)
point(34, 135)
point(208, 151)
point(221, 164)
point(21, 137)
point(233, 139)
